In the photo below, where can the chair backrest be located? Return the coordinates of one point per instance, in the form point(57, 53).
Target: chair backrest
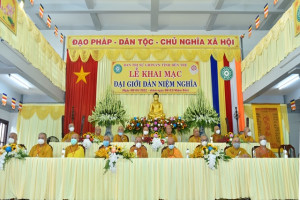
point(226, 148)
point(164, 148)
point(83, 148)
point(127, 137)
point(22, 146)
point(288, 148)
point(52, 139)
point(253, 148)
point(191, 136)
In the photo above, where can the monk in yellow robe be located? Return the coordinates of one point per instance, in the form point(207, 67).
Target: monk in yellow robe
point(139, 149)
point(198, 152)
point(68, 136)
point(121, 137)
point(247, 136)
point(169, 133)
point(263, 151)
point(102, 151)
point(98, 133)
point(42, 149)
point(196, 136)
point(13, 139)
point(236, 151)
point(217, 134)
point(171, 151)
point(74, 150)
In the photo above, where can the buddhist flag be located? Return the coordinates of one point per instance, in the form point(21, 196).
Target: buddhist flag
point(257, 22)
point(32, 2)
point(275, 2)
point(41, 11)
point(55, 31)
point(61, 38)
point(4, 99)
point(13, 103)
point(293, 105)
point(49, 21)
point(250, 31)
point(20, 106)
point(266, 10)
point(243, 35)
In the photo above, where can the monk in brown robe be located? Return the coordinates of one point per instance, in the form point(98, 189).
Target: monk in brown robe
point(42, 149)
point(217, 134)
point(139, 149)
point(263, 151)
point(171, 151)
point(102, 151)
point(120, 137)
point(196, 136)
point(247, 136)
point(169, 133)
point(236, 151)
point(68, 136)
point(74, 150)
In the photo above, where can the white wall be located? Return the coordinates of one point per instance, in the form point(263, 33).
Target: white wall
point(294, 122)
point(268, 99)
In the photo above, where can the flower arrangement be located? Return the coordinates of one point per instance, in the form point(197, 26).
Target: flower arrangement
point(10, 151)
point(157, 125)
point(114, 153)
point(108, 111)
point(87, 139)
point(212, 156)
point(200, 113)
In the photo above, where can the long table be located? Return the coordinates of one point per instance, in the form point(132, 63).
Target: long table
point(182, 146)
point(150, 179)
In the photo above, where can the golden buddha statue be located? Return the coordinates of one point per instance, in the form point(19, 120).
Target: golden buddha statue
point(156, 108)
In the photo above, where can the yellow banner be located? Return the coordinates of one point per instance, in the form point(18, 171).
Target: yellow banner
point(131, 77)
point(152, 41)
point(8, 14)
point(267, 121)
point(297, 16)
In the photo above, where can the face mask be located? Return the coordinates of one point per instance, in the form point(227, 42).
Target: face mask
point(171, 146)
point(120, 133)
point(41, 141)
point(249, 133)
point(236, 145)
point(71, 129)
point(263, 142)
point(138, 145)
point(10, 140)
point(73, 141)
point(105, 143)
point(204, 143)
point(146, 132)
point(218, 131)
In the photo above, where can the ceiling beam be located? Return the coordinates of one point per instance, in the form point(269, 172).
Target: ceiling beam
point(9, 70)
point(154, 15)
point(212, 17)
point(96, 21)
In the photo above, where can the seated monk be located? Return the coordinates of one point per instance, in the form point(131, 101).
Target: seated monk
point(42, 149)
point(263, 151)
point(246, 137)
point(141, 150)
point(74, 150)
point(171, 151)
point(156, 108)
point(102, 153)
point(13, 139)
point(120, 137)
point(98, 133)
point(196, 136)
point(217, 134)
point(145, 132)
point(236, 151)
point(198, 150)
point(68, 136)
point(169, 133)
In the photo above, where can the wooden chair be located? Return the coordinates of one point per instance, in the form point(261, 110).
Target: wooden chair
point(290, 150)
point(83, 148)
point(52, 139)
point(126, 137)
point(226, 148)
point(253, 148)
point(22, 146)
point(164, 148)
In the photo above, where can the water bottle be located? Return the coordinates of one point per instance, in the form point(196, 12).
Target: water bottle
point(187, 153)
point(63, 153)
point(135, 152)
point(254, 153)
point(211, 140)
point(285, 154)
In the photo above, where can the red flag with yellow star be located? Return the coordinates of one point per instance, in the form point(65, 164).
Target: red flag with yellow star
point(81, 84)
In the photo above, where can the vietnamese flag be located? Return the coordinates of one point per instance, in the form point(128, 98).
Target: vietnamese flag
point(81, 84)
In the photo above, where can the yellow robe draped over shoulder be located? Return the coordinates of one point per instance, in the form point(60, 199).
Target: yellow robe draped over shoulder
point(141, 152)
point(74, 151)
point(261, 152)
point(216, 137)
point(195, 139)
point(68, 137)
point(246, 139)
point(118, 138)
point(171, 153)
point(233, 152)
point(102, 152)
point(41, 151)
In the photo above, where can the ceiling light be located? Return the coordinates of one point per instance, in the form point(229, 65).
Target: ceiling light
point(21, 4)
point(19, 81)
point(288, 81)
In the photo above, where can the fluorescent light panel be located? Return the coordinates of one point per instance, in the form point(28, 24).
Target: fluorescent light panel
point(288, 81)
point(19, 81)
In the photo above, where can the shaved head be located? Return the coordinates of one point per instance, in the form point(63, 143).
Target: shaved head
point(204, 138)
point(75, 136)
point(262, 137)
point(171, 141)
point(138, 139)
point(14, 136)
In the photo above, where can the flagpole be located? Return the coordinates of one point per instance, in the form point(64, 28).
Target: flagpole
point(242, 48)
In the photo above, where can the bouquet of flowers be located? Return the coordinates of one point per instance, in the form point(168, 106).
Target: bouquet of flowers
point(200, 113)
point(108, 111)
point(10, 151)
point(87, 139)
point(228, 138)
point(114, 153)
point(212, 156)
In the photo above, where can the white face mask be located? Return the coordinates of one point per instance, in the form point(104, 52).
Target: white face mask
point(11, 140)
point(218, 131)
point(41, 141)
point(138, 145)
point(249, 133)
point(263, 142)
point(71, 128)
point(204, 143)
point(146, 132)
